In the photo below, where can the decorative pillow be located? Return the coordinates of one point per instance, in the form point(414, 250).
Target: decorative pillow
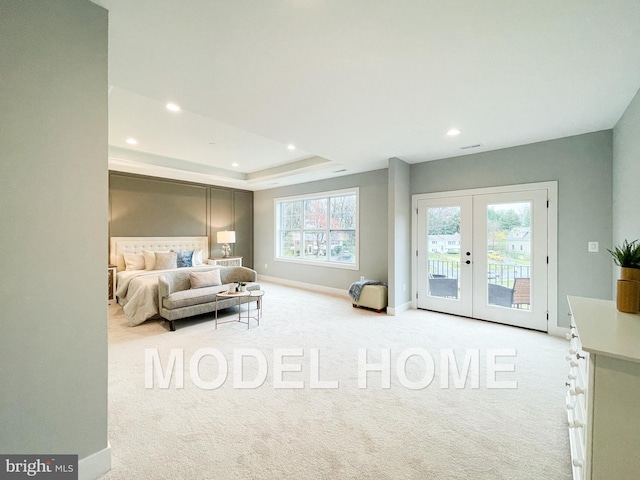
point(183, 259)
point(166, 260)
point(210, 278)
point(197, 258)
point(134, 261)
point(150, 259)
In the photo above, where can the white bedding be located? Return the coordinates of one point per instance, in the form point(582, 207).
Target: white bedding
point(138, 292)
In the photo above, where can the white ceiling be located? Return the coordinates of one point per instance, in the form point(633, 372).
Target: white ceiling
point(352, 83)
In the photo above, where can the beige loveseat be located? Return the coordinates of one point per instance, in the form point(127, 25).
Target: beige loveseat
point(177, 300)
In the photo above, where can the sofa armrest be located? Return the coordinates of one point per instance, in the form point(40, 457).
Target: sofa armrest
point(164, 289)
point(237, 274)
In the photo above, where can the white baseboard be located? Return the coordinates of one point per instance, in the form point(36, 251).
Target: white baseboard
point(306, 286)
point(400, 308)
point(96, 464)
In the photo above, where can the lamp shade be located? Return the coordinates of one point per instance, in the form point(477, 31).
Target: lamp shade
point(227, 236)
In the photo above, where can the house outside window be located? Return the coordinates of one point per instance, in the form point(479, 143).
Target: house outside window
point(320, 229)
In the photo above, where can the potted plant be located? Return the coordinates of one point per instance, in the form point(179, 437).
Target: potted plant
point(627, 257)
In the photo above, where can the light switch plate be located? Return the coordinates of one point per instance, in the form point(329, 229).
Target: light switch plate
point(593, 247)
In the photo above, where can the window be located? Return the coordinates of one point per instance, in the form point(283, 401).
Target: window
point(319, 228)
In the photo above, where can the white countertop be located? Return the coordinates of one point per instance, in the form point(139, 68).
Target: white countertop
point(604, 330)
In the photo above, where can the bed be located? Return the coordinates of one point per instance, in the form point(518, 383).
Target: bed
point(137, 287)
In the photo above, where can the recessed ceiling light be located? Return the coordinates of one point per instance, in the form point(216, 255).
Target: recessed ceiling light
point(132, 141)
point(453, 132)
point(173, 107)
point(234, 164)
point(291, 147)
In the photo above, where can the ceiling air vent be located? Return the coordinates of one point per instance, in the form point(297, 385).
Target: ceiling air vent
point(471, 146)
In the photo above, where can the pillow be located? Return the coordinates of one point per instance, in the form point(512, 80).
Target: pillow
point(134, 261)
point(166, 260)
point(197, 258)
point(150, 259)
point(210, 278)
point(183, 259)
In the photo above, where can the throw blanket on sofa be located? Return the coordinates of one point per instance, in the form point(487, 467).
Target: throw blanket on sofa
point(137, 292)
point(356, 288)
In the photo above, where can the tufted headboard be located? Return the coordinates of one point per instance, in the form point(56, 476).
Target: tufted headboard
point(118, 246)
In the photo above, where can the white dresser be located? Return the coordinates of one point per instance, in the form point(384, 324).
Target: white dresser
point(603, 397)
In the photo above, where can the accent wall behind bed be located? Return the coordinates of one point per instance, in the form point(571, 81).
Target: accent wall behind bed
point(156, 207)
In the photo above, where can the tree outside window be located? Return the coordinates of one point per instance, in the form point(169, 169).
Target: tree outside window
point(321, 228)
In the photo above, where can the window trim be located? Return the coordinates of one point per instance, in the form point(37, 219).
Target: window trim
point(314, 196)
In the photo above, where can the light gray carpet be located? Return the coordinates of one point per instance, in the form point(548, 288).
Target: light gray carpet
point(345, 433)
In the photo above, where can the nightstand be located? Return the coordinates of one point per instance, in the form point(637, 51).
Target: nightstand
point(112, 282)
point(226, 261)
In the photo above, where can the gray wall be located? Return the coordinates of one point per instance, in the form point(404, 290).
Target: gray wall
point(626, 175)
point(373, 232)
point(582, 165)
point(142, 206)
point(53, 212)
point(399, 233)
point(153, 207)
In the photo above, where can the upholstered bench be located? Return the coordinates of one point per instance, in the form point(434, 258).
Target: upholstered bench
point(177, 299)
point(374, 297)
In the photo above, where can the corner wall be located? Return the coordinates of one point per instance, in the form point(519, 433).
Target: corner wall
point(399, 236)
point(582, 165)
point(626, 175)
point(53, 212)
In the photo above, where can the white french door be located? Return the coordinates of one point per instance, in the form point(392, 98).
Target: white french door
point(444, 255)
point(484, 254)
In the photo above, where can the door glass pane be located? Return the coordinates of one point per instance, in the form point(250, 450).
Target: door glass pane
point(509, 255)
point(443, 246)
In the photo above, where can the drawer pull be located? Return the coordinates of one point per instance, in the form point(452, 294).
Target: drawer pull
point(579, 357)
point(576, 424)
point(569, 336)
point(576, 391)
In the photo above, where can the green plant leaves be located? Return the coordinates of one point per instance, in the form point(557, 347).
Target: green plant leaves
point(627, 255)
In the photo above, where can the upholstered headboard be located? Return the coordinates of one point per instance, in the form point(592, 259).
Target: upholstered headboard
point(118, 246)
